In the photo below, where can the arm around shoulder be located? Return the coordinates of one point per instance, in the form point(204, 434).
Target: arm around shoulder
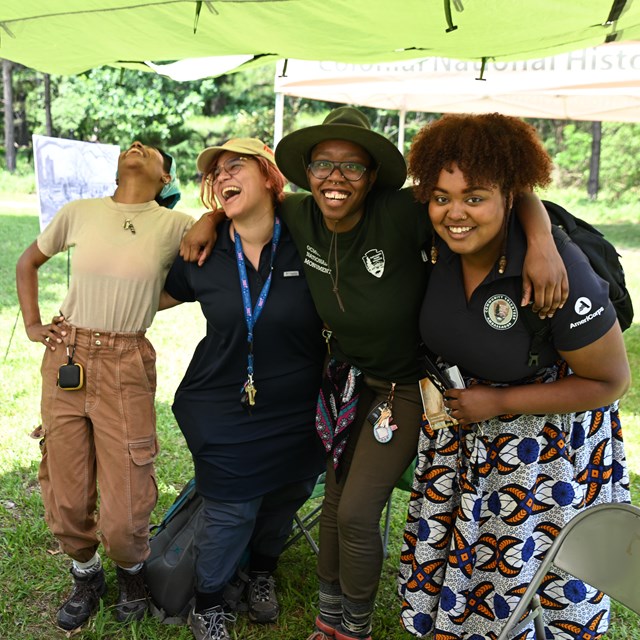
point(198, 242)
point(543, 272)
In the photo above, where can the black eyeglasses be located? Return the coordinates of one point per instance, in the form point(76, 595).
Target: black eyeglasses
point(232, 167)
point(351, 171)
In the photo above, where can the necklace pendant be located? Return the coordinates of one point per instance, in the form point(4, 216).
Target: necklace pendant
point(128, 226)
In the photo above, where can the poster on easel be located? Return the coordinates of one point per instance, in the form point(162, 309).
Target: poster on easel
point(69, 170)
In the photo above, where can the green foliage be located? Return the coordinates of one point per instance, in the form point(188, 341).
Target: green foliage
point(572, 159)
point(118, 106)
point(620, 165)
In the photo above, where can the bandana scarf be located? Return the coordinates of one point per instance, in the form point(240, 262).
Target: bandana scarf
point(337, 405)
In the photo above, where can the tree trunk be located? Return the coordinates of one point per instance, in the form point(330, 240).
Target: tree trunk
point(47, 105)
point(9, 130)
point(593, 186)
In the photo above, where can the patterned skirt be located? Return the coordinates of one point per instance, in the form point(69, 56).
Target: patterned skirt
point(487, 503)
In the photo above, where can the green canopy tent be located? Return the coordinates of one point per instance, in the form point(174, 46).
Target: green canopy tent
point(71, 36)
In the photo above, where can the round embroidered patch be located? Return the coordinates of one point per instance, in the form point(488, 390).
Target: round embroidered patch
point(500, 312)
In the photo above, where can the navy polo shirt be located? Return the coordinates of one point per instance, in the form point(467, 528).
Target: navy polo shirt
point(237, 455)
point(487, 336)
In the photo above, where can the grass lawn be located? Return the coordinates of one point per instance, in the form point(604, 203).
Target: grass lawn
point(34, 577)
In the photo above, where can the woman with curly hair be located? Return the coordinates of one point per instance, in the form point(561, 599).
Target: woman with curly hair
point(527, 451)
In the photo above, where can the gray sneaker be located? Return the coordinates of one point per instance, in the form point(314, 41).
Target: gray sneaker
point(262, 599)
point(210, 624)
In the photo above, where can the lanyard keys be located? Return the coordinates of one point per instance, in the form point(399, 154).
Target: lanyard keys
point(248, 394)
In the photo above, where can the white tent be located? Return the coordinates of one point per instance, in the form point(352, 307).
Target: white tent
point(599, 83)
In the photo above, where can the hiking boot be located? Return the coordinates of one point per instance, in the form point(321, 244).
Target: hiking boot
point(262, 599)
point(83, 601)
point(132, 597)
point(235, 592)
point(210, 624)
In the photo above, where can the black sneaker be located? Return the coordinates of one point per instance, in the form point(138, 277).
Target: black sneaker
point(210, 624)
point(132, 597)
point(262, 599)
point(83, 601)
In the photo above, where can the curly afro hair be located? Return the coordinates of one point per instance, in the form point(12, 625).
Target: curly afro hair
point(489, 149)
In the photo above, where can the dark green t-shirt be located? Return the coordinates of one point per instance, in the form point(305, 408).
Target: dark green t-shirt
point(381, 276)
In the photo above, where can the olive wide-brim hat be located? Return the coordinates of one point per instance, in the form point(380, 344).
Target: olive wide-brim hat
point(293, 153)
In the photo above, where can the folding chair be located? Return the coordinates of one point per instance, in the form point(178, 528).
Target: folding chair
point(600, 546)
point(303, 524)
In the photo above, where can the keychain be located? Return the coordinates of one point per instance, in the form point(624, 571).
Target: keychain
point(381, 417)
point(326, 334)
point(70, 375)
point(248, 396)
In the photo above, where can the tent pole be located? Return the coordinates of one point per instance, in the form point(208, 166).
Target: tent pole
point(278, 119)
point(401, 124)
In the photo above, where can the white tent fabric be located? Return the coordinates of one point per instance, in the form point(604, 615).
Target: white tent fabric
point(598, 83)
point(71, 36)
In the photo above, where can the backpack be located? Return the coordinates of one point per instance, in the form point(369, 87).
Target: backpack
point(170, 573)
point(604, 260)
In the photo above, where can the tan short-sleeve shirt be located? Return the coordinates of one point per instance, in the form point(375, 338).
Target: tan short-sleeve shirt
point(116, 275)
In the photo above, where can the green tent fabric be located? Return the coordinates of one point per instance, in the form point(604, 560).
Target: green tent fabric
point(71, 36)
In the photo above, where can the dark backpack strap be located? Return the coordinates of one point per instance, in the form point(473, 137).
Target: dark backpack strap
point(539, 330)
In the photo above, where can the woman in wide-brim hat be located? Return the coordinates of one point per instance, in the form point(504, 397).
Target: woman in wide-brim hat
point(293, 153)
point(361, 239)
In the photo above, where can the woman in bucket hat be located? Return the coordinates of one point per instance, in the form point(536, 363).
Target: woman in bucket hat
point(246, 404)
point(362, 241)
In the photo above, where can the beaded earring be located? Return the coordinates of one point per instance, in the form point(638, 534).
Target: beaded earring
point(433, 254)
point(502, 262)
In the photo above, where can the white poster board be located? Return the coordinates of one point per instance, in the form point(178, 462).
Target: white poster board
point(69, 170)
